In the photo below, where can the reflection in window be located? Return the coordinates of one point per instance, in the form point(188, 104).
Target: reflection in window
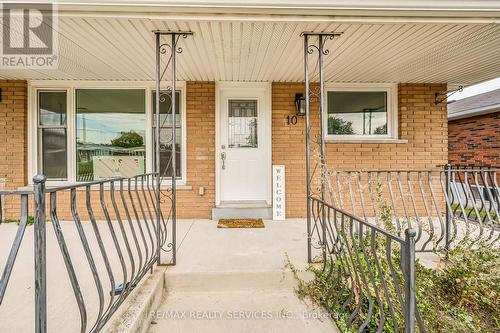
point(242, 124)
point(166, 133)
point(357, 112)
point(110, 133)
point(52, 137)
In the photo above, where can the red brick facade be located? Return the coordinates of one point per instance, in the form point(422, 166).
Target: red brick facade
point(421, 123)
point(475, 141)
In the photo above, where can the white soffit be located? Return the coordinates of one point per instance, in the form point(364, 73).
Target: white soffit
point(121, 48)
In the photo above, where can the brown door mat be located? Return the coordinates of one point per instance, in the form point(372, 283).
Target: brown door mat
point(241, 223)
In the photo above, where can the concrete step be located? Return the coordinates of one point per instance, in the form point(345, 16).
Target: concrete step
point(255, 212)
point(242, 302)
point(233, 281)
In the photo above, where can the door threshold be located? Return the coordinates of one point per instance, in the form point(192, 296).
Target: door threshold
point(244, 204)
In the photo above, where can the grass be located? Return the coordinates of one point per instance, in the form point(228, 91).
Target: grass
point(31, 220)
point(463, 295)
point(471, 213)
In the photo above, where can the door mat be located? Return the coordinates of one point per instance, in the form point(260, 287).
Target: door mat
point(240, 223)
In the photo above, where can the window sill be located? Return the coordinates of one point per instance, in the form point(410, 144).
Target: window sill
point(106, 187)
point(178, 187)
point(346, 140)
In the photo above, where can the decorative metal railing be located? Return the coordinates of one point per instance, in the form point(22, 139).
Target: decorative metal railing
point(356, 220)
point(367, 227)
point(106, 233)
point(367, 274)
point(445, 206)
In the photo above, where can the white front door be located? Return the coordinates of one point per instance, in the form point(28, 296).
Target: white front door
point(244, 143)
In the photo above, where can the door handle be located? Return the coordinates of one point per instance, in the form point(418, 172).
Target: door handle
point(223, 158)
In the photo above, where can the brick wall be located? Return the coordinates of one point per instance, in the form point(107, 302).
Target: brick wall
point(200, 125)
point(421, 122)
point(475, 141)
point(200, 113)
point(200, 110)
point(13, 140)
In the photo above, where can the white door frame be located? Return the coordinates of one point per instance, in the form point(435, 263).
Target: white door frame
point(265, 88)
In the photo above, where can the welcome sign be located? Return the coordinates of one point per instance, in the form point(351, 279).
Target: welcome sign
point(278, 192)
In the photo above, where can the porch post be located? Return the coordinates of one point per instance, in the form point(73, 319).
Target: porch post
point(171, 45)
point(40, 255)
point(308, 153)
point(449, 213)
point(322, 141)
point(409, 276)
point(157, 148)
point(309, 49)
point(174, 150)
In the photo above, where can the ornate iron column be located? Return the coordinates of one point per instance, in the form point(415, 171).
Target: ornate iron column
point(169, 49)
point(315, 42)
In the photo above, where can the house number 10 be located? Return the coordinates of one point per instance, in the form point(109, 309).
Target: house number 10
point(291, 120)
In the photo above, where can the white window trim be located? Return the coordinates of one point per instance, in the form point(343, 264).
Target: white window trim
point(70, 87)
point(392, 113)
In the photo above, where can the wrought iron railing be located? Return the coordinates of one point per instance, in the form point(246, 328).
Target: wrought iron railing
point(367, 225)
point(445, 206)
point(367, 275)
point(107, 234)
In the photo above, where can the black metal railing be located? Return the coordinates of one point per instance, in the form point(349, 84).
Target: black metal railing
point(367, 275)
point(366, 227)
point(445, 206)
point(108, 235)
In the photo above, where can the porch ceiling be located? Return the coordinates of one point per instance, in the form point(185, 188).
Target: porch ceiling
point(121, 48)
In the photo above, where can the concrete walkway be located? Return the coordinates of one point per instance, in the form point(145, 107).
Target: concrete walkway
point(234, 280)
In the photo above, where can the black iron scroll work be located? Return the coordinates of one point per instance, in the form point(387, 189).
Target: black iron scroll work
point(314, 46)
point(166, 60)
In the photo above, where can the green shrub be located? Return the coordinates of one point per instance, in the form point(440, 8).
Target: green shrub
point(464, 294)
point(31, 220)
point(461, 295)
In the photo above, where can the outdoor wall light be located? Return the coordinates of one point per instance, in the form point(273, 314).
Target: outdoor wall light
point(300, 104)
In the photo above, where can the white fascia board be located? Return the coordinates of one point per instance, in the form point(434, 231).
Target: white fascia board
point(474, 112)
point(320, 4)
point(407, 9)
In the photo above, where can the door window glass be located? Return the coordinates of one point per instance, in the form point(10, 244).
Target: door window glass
point(242, 124)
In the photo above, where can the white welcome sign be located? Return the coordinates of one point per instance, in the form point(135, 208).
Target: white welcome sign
point(278, 192)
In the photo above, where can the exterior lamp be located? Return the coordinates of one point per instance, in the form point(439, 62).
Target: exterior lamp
point(300, 105)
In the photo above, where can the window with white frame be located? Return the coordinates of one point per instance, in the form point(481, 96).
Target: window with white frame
point(166, 141)
point(90, 133)
point(52, 133)
point(110, 133)
point(361, 112)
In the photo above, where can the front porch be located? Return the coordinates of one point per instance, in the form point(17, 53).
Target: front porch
point(237, 280)
point(239, 275)
point(204, 248)
point(152, 120)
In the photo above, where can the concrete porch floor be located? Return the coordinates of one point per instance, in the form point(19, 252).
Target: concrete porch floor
point(234, 280)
